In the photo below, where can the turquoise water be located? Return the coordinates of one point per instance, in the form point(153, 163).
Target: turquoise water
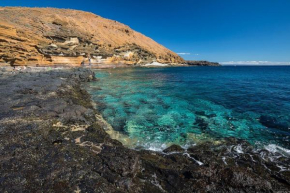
point(154, 107)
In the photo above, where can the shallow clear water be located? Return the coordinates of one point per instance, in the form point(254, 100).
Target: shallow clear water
point(155, 107)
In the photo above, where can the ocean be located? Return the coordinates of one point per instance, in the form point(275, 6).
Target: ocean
point(152, 108)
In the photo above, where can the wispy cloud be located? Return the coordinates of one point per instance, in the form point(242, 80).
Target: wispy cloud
point(183, 53)
point(187, 53)
point(254, 62)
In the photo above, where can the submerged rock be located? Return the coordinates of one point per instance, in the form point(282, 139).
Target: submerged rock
point(272, 122)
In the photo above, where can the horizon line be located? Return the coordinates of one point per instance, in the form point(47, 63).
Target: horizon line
point(256, 63)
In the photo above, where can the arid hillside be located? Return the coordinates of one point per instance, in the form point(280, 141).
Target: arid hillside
point(48, 36)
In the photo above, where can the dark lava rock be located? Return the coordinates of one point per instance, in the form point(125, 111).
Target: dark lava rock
point(51, 141)
point(173, 148)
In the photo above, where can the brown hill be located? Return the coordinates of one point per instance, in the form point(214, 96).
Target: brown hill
point(48, 36)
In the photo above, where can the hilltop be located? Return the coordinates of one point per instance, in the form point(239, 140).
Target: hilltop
point(49, 36)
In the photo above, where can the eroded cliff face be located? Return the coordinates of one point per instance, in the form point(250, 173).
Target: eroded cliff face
point(48, 36)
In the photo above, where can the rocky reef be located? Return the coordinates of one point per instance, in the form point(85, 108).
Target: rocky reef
point(48, 36)
point(53, 140)
point(201, 63)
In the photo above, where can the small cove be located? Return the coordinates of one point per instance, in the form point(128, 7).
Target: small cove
point(152, 108)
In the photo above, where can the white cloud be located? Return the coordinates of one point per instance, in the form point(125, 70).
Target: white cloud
point(187, 53)
point(254, 62)
point(183, 53)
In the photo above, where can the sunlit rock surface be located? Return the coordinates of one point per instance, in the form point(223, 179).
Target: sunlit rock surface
point(48, 36)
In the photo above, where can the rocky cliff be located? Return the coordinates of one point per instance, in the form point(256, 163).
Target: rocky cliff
point(48, 36)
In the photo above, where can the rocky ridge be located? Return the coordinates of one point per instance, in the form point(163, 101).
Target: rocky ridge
point(53, 140)
point(48, 36)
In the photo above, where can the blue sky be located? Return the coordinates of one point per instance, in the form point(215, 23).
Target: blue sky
point(214, 30)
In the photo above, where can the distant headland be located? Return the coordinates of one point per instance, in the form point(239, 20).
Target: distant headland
point(201, 63)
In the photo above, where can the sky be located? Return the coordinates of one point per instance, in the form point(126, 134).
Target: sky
point(226, 31)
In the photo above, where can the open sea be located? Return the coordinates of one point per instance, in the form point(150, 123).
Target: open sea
point(152, 108)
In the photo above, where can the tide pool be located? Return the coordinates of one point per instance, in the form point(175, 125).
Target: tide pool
point(156, 107)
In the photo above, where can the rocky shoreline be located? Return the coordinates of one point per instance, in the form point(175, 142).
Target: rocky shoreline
point(53, 140)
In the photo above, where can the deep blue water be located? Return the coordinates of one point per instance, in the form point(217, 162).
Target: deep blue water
point(155, 107)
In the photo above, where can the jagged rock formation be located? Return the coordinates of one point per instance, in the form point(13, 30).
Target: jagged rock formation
point(48, 36)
